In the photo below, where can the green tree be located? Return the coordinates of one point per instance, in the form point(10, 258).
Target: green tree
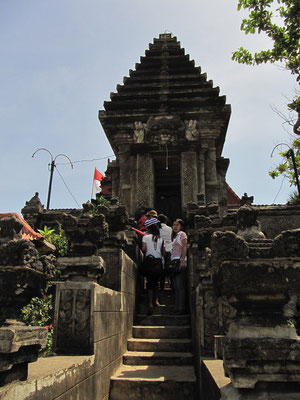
point(280, 21)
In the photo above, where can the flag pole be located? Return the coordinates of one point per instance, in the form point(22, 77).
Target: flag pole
point(93, 185)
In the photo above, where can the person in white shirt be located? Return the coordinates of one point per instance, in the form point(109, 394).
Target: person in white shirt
point(165, 232)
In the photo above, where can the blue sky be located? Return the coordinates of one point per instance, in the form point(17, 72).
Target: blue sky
point(61, 59)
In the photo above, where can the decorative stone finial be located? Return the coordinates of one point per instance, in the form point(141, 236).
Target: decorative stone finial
point(246, 200)
point(247, 223)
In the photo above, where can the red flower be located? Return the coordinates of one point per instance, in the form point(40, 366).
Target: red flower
point(48, 326)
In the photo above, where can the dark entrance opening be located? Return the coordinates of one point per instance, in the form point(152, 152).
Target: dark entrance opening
point(167, 186)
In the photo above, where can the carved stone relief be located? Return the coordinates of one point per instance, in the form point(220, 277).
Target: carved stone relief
point(139, 132)
point(211, 320)
point(217, 316)
point(164, 129)
point(189, 177)
point(191, 132)
point(74, 315)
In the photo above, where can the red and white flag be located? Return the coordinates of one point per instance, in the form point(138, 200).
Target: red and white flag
point(97, 182)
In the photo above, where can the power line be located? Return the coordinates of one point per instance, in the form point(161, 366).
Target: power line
point(67, 186)
point(91, 160)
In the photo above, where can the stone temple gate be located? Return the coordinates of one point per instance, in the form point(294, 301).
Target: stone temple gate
point(167, 126)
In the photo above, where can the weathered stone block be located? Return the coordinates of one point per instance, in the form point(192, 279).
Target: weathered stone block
point(228, 246)
point(19, 345)
point(113, 262)
point(287, 244)
point(107, 300)
point(81, 269)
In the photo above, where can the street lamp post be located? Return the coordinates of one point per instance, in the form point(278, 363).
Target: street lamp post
point(52, 166)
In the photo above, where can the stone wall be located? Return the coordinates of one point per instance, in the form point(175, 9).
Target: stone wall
point(275, 219)
point(87, 377)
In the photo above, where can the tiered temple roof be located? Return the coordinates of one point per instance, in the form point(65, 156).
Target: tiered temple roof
point(165, 81)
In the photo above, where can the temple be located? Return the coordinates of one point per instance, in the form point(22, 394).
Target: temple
point(82, 298)
point(167, 126)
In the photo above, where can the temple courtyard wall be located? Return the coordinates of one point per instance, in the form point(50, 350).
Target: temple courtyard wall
point(275, 219)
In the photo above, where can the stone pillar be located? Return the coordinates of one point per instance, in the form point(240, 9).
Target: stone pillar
point(201, 176)
point(113, 172)
point(211, 177)
point(189, 178)
point(144, 181)
point(222, 166)
point(125, 171)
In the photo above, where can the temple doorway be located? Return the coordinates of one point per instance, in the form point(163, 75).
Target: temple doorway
point(167, 186)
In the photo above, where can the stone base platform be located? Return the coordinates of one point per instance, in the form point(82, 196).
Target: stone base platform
point(215, 386)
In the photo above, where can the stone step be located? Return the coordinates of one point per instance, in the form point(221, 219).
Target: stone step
point(162, 319)
point(267, 241)
point(259, 252)
point(153, 383)
point(157, 358)
point(163, 297)
point(162, 310)
point(177, 345)
point(259, 245)
point(162, 332)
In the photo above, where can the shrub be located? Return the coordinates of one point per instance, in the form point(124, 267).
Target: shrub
point(39, 312)
point(59, 240)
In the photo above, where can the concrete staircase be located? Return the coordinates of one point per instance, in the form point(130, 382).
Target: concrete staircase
point(159, 362)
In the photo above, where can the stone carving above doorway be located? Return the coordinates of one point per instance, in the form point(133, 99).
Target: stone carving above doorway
point(164, 129)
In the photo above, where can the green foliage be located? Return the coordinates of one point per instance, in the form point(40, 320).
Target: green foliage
point(279, 20)
point(294, 199)
point(47, 233)
point(295, 104)
point(58, 239)
point(102, 201)
point(286, 167)
point(39, 312)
